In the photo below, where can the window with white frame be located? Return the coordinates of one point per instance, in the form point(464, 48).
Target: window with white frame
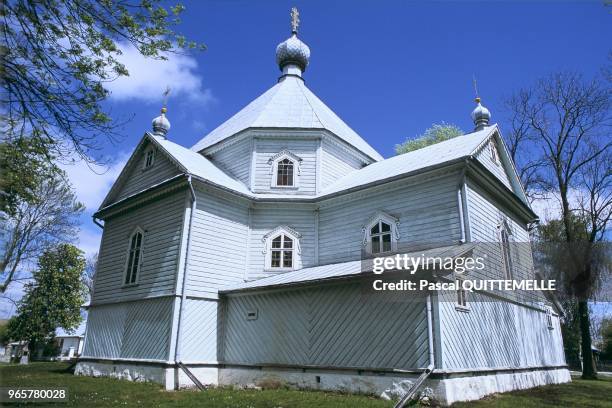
point(134, 258)
point(282, 249)
point(549, 318)
point(381, 234)
point(506, 242)
point(462, 296)
point(285, 169)
point(493, 151)
point(149, 159)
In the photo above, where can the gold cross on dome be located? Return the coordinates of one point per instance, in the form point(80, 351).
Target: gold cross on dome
point(295, 19)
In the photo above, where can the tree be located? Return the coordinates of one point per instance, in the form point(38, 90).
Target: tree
point(89, 273)
point(53, 299)
point(567, 131)
point(45, 214)
point(435, 134)
point(59, 54)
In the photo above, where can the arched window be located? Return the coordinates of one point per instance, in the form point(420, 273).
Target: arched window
point(134, 258)
point(506, 241)
point(282, 252)
point(381, 234)
point(149, 159)
point(493, 151)
point(284, 173)
point(285, 169)
point(282, 249)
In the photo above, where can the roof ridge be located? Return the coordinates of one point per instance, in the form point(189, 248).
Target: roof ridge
point(310, 103)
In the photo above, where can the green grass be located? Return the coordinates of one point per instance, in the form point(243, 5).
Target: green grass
point(104, 392)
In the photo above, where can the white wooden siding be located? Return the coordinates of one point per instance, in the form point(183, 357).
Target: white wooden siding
point(218, 244)
point(427, 212)
point(335, 325)
point(305, 149)
point(199, 334)
point(496, 334)
point(498, 169)
point(235, 159)
point(336, 163)
point(139, 179)
point(140, 329)
point(264, 219)
point(162, 222)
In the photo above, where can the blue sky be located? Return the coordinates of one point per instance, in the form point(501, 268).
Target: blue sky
point(388, 68)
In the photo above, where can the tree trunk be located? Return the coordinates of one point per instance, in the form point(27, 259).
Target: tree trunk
point(588, 366)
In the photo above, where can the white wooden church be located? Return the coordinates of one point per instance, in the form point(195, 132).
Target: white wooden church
point(238, 260)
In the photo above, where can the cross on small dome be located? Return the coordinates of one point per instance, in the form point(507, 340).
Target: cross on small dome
point(293, 55)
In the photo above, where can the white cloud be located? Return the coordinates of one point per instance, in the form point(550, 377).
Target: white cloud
point(92, 182)
point(89, 238)
point(149, 77)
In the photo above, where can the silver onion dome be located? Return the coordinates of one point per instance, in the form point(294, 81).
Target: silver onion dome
point(161, 125)
point(480, 115)
point(292, 51)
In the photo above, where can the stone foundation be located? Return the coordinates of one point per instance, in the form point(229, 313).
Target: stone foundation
point(448, 388)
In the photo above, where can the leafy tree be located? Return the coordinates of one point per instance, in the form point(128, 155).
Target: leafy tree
point(43, 213)
point(58, 55)
point(89, 273)
point(4, 335)
point(53, 299)
point(566, 134)
point(435, 134)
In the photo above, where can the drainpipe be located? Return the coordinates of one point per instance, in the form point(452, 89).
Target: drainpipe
point(95, 220)
point(177, 351)
point(460, 205)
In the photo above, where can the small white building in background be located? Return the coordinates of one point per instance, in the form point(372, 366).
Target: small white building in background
point(70, 344)
point(239, 260)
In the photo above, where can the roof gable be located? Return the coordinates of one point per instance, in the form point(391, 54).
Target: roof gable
point(288, 104)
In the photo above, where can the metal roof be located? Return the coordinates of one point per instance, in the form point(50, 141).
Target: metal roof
point(288, 104)
point(339, 270)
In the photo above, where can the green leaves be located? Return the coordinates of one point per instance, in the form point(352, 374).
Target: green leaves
point(54, 298)
point(435, 134)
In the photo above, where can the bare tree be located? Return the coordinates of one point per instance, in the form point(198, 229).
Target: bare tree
point(37, 224)
point(561, 126)
point(89, 273)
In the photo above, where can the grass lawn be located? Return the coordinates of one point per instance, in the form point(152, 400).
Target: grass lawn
point(103, 392)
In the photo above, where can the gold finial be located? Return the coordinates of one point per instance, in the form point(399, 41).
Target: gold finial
point(295, 19)
point(477, 100)
point(165, 104)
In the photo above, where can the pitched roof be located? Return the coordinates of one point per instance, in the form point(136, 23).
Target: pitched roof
point(288, 104)
point(78, 332)
point(340, 270)
point(449, 150)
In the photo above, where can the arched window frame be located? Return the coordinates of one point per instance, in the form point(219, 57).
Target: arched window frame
point(494, 152)
point(381, 216)
point(506, 242)
point(297, 249)
point(128, 264)
point(276, 159)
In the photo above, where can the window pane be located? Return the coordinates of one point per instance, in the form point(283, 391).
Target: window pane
point(287, 259)
point(375, 245)
point(276, 242)
point(129, 267)
point(133, 244)
point(385, 227)
point(288, 243)
point(135, 266)
point(375, 229)
point(386, 242)
point(284, 173)
point(138, 239)
point(276, 257)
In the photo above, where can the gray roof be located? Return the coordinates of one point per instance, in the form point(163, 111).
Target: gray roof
point(78, 332)
point(288, 104)
point(330, 272)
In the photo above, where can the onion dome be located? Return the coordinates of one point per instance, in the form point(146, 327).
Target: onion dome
point(161, 125)
point(480, 116)
point(292, 55)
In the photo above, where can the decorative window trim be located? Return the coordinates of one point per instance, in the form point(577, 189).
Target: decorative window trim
point(461, 301)
point(273, 163)
point(267, 248)
point(379, 216)
point(507, 257)
point(127, 258)
point(149, 153)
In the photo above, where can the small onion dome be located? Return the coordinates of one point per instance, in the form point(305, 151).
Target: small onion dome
point(480, 115)
point(161, 125)
point(292, 51)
